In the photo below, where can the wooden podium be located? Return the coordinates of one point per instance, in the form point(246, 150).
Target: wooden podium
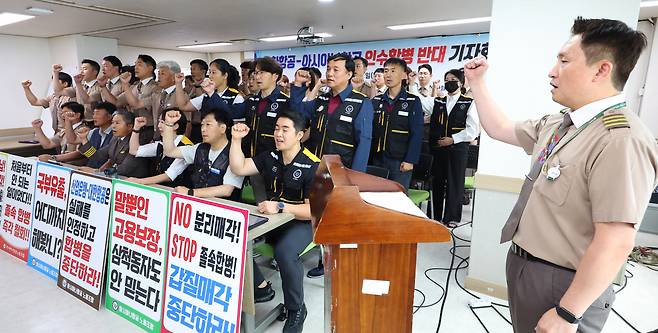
point(369, 251)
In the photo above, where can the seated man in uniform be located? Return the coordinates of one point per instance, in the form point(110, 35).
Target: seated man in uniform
point(58, 141)
point(115, 156)
point(288, 171)
point(212, 176)
point(168, 171)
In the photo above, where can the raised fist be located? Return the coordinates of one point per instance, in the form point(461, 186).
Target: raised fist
point(239, 131)
point(57, 68)
point(37, 123)
point(208, 86)
point(139, 123)
point(26, 83)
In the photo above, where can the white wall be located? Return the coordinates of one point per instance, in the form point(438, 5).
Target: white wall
point(634, 89)
point(24, 58)
point(649, 107)
point(234, 58)
point(128, 55)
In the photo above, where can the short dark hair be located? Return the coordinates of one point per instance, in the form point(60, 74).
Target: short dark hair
point(396, 62)
point(127, 116)
point(107, 106)
point(233, 80)
point(64, 77)
point(182, 122)
point(200, 63)
point(94, 65)
point(316, 71)
point(349, 61)
point(426, 66)
point(268, 64)
point(612, 40)
point(456, 73)
point(379, 70)
point(220, 116)
point(300, 122)
point(362, 60)
point(147, 59)
point(248, 65)
point(75, 107)
point(114, 61)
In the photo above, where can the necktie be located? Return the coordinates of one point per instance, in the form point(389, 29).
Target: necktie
point(163, 100)
point(423, 91)
point(515, 217)
point(139, 87)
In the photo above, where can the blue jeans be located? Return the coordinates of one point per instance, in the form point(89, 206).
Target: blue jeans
point(393, 167)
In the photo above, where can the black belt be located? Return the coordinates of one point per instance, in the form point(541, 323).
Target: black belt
point(519, 251)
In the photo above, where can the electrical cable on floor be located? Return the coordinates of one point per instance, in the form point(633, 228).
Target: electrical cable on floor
point(445, 296)
point(480, 320)
point(626, 321)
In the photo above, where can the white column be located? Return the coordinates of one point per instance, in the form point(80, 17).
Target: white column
point(525, 39)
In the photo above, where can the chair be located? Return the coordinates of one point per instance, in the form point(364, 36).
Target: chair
point(420, 191)
point(247, 195)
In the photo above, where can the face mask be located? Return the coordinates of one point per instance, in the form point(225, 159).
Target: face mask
point(452, 86)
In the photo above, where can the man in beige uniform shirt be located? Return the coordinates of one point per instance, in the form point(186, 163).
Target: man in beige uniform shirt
point(594, 168)
point(87, 89)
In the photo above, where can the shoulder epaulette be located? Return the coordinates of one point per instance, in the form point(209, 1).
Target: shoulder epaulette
point(233, 90)
point(284, 94)
point(612, 121)
point(360, 93)
point(186, 141)
point(311, 156)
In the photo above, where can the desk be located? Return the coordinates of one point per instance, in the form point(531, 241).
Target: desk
point(33, 303)
point(10, 145)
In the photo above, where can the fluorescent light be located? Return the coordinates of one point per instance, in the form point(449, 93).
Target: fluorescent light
point(39, 11)
point(291, 37)
point(439, 23)
point(197, 46)
point(326, 0)
point(645, 4)
point(9, 18)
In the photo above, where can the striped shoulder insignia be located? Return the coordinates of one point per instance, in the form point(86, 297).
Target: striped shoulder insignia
point(360, 93)
point(618, 120)
point(186, 141)
point(284, 94)
point(90, 152)
point(311, 156)
point(233, 90)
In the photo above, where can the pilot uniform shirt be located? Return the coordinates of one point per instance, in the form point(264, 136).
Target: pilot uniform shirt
point(606, 174)
point(287, 183)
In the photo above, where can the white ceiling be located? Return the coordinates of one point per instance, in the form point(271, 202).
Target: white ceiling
point(167, 24)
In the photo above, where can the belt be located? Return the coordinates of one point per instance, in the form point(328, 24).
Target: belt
point(519, 251)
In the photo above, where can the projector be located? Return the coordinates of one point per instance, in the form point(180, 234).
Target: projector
point(305, 36)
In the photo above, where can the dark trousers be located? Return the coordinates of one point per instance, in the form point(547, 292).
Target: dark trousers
point(534, 287)
point(289, 241)
point(393, 167)
point(449, 170)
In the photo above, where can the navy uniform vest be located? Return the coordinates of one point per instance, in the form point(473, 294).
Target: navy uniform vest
point(335, 134)
point(391, 129)
point(261, 126)
point(444, 125)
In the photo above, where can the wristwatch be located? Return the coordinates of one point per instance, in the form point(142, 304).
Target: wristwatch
point(280, 205)
point(137, 130)
point(567, 315)
point(190, 191)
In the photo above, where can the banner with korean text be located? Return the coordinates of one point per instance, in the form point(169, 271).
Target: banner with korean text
point(17, 206)
point(85, 238)
point(48, 218)
point(136, 253)
point(442, 53)
point(205, 266)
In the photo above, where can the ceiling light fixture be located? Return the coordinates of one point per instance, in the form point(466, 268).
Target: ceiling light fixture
point(10, 18)
point(198, 46)
point(39, 11)
point(439, 23)
point(291, 37)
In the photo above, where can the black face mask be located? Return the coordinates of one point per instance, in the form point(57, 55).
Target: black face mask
point(452, 86)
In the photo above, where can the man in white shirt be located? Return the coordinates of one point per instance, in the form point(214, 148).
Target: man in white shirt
point(212, 175)
point(454, 124)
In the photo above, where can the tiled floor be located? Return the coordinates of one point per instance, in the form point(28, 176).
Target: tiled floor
point(32, 303)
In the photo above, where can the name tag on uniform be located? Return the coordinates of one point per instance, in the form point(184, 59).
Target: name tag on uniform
point(403, 113)
point(215, 171)
point(346, 118)
point(271, 114)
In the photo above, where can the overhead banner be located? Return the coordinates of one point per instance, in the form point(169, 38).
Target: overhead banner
point(85, 237)
point(17, 206)
point(205, 266)
point(136, 253)
point(442, 53)
point(48, 218)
